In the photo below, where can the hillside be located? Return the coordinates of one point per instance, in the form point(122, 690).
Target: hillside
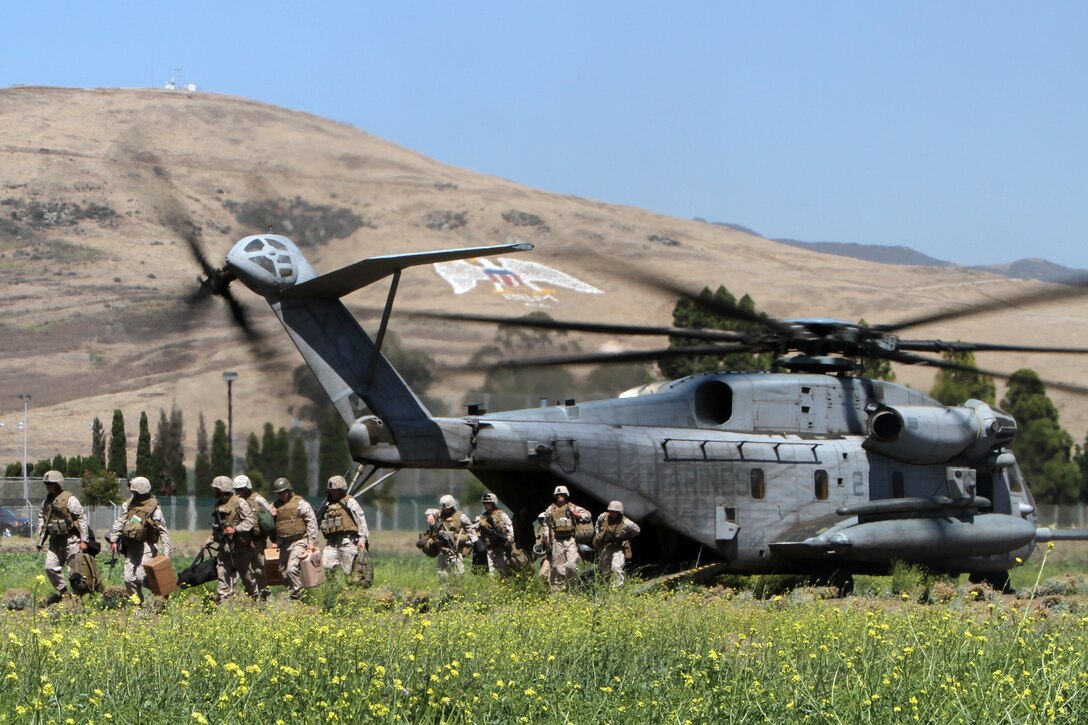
point(94, 283)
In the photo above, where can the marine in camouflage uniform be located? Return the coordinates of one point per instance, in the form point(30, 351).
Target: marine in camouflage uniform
point(456, 532)
point(233, 522)
point(63, 526)
point(561, 550)
point(296, 534)
point(344, 525)
point(243, 488)
point(612, 539)
point(496, 530)
point(140, 531)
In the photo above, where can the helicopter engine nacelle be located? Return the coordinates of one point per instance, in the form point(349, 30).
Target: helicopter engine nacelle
point(364, 433)
point(923, 434)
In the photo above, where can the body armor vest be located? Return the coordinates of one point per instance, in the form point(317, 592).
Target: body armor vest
point(338, 520)
point(229, 514)
point(289, 522)
point(561, 520)
point(138, 526)
point(58, 519)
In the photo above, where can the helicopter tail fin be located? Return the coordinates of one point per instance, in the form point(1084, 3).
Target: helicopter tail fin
point(348, 363)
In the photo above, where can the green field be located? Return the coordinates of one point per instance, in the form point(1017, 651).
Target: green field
point(412, 651)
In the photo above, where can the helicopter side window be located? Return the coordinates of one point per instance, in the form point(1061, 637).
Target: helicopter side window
point(820, 482)
point(758, 484)
point(897, 484)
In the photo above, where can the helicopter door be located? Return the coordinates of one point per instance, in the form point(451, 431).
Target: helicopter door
point(566, 454)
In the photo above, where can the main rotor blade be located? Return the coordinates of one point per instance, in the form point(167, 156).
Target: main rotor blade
point(1070, 289)
point(910, 359)
point(609, 358)
point(732, 312)
point(943, 346)
point(594, 327)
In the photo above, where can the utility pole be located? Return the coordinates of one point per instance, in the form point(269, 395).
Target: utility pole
point(25, 397)
point(230, 376)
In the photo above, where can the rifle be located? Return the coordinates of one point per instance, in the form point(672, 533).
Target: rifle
point(221, 538)
point(492, 533)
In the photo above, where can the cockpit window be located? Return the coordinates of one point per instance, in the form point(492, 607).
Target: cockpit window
point(255, 246)
point(265, 263)
point(277, 244)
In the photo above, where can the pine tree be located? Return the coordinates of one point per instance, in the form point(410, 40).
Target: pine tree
point(281, 455)
point(220, 455)
point(173, 461)
point(254, 460)
point(98, 441)
point(268, 454)
point(333, 456)
point(298, 468)
point(158, 454)
point(143, 449)
point(690, 314)
point(59, 463)
point(118, 460)
point(955, 387)
point(202, 466)
point(1042, 447)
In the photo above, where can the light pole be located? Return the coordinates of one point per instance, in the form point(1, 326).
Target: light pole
point(230, 376)
point(25, 397)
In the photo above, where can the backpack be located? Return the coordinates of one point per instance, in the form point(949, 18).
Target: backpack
point(362, 572)
point(83, 575)
point(265, 523)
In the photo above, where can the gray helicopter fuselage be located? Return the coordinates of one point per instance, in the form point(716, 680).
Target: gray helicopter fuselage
point(740, 461)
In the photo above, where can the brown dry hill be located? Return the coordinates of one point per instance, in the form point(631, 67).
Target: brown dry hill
point(94, 281)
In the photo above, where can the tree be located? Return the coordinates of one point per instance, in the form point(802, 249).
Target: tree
point(173, 462)
point(98, 441)
point(614, 379)
point(955, 387)
point(100, 488)
point(875, 368)
point(688, 313)
point(202, 466)
point(268, 453)
point(279, 458)
point(298, 466)
point(143, 449)
point(220, 455)
point(118, 460)
point(333, 455)
point(1042, 447)
point(254, 460)
point(59, 463)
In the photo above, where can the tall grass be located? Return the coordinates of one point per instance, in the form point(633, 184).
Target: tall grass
point(484, 651)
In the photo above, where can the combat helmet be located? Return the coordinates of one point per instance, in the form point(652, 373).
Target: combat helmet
point(139, 485)
point(447, 502)
point(337, 483)
point(281, 484)
point(615, 507)
point(53, 477)
point(223, 484)
point(242, 481)
point(560, 491)
point(489, 498)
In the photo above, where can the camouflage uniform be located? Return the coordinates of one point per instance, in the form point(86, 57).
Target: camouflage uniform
point(344, 525)
point(613, 543)
point(244, 487)
point(141, 529)
point(459, 532)
point(562, 558)
point(64, 526)
point(296, 536)
point(236, 553)
point(498, 550)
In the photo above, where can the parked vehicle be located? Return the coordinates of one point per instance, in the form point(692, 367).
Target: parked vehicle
point(12, 524)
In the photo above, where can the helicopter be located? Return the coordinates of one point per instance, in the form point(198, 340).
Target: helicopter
point(811, 471)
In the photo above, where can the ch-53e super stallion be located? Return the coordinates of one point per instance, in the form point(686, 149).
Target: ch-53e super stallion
point(810, 471)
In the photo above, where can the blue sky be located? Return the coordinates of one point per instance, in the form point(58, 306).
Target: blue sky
point(958, 129)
